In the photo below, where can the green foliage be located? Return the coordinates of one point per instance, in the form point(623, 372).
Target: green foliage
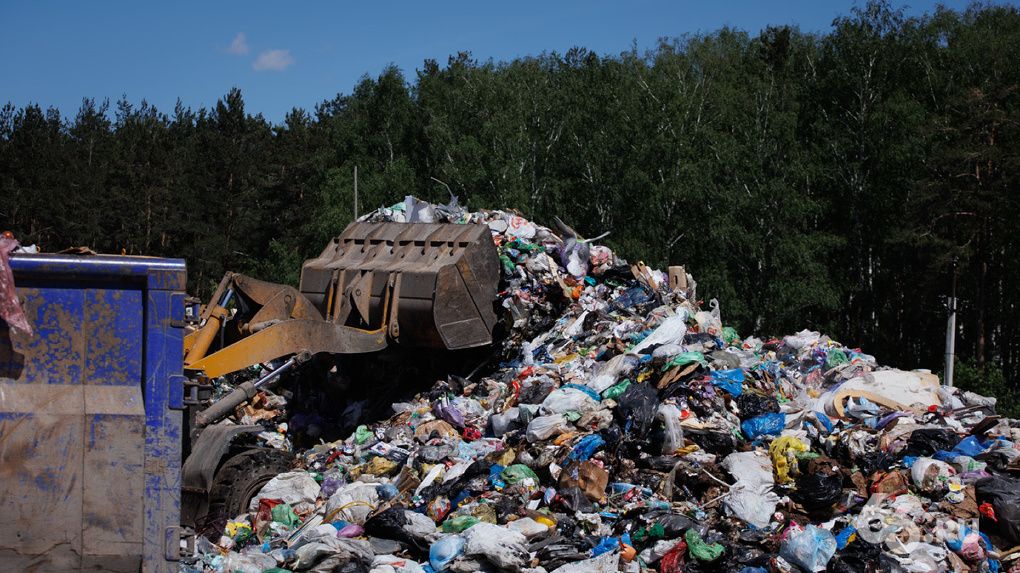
point(986, 381)
point(281, 265)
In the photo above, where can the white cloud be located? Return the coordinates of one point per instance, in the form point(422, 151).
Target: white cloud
point(277, 60)
point(239, 46)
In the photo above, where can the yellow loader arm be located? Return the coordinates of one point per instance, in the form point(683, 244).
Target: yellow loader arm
point(417, 284)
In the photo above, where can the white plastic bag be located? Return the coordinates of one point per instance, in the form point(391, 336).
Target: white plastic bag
point(357, 500)
point(251, 563)
point(802, 339)
point(671, 331)
point(617, 367)
point(341, 549)
point(606, 563)
point(563, 400)
point(418, 525)
point(931, 475)
point(528, 527)
point(670, 417)
point(710, 322)
point(291, 488)
point(753, 506)
point(545, 427)
point(657, 551)
point(500, 423)
point(750, 469)
point(394, 564)
point(502, 547)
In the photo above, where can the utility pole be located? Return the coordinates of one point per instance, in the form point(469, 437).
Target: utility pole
point(355, 192)
point(951, 332)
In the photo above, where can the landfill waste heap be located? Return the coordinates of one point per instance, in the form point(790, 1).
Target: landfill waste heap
point(625, 429)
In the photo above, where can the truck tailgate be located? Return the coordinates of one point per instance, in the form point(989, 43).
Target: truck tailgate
point(90, 416)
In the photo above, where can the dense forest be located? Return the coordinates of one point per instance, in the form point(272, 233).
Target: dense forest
point(832, 181)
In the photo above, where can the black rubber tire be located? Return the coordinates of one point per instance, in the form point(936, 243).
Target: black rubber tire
point(241, 478)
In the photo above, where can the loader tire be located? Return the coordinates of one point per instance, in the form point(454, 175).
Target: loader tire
point(241, 478)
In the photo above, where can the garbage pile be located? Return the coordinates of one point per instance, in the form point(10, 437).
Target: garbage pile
point(626, 429)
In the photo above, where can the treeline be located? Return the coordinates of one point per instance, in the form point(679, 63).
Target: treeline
point(835, 182)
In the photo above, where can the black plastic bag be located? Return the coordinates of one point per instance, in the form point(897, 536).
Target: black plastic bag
point(657, 463)
point(620, 275)
point(695, 400)
point(612, 435)
point(1004, 495)
point(714, 442)
point(818, 491)
point(995, 460)
point(675, 524)
point(387, 523)
point(740, 556)
point(508, 505)
point(854, 558)
point(535, 393)
point(698, 338)
point(390, 524)
point(636, 409)
point(927, 441)
point(558, 550)
point(753, 405)
point(481, 466)
point(871, 462)
point(573, 499)
point(565, 524)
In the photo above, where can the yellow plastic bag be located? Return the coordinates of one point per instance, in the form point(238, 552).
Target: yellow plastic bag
point(783, 452)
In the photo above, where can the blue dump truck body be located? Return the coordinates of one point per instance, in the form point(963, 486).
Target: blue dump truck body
point(90, 415)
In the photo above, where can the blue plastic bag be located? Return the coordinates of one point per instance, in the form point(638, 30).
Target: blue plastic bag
point(766, 424)
point(971, 552)
point(591, 393)
point(844, 536)
point(620, 488)
point(640, 293)
point(824, 420)
point(969, 447)
point(494, 477)
point(386, 491)
point(610, 544)
point(444, 551)
point(810, 549)
point(586, 447)
point(730, 380)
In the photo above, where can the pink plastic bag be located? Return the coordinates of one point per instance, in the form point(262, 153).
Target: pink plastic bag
point(10, 310)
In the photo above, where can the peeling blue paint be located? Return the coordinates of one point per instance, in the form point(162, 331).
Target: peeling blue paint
point(99, 371)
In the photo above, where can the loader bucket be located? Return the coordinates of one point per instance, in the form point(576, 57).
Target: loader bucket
point(442, 280)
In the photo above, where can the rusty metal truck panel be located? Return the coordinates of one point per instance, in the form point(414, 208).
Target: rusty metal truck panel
point(90, 420)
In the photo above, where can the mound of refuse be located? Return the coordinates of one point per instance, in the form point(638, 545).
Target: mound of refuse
point(626, 429)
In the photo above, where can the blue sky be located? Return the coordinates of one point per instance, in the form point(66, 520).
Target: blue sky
point(298, 54)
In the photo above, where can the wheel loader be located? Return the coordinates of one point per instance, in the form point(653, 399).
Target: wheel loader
point(376, 286)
